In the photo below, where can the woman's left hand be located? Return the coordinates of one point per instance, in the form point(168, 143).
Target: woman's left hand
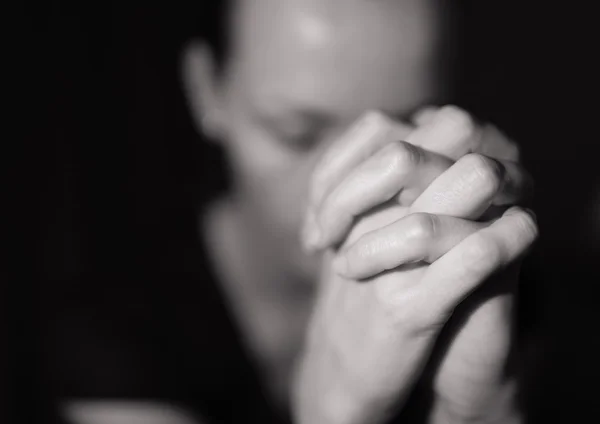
point(485, 178)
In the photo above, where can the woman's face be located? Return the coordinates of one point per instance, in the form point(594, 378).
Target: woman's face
point(299, 73)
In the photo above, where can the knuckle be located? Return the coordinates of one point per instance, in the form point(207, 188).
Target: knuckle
point(460, 118)
point(402, 157)
point(422, 226)
point(482, 252)
point(486, 171)
point(364, 249)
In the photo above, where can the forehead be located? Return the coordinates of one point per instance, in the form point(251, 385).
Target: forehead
point(342, 56)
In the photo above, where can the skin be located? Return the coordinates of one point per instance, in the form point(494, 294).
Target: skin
point(352, 370)
point(284, 98)
point(300, 73)
point(280, 103)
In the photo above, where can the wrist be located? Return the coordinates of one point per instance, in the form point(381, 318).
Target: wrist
point(318, 395)
point(499, 409)
point(323, 393)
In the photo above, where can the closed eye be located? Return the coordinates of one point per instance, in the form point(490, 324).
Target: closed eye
point(300, 141)
point(298, 130)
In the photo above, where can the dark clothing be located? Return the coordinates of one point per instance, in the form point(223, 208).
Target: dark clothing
point(161, 334)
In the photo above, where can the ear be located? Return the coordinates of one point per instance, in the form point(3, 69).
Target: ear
point(202, 89)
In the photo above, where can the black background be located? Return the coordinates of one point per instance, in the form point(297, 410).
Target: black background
point(108, 174)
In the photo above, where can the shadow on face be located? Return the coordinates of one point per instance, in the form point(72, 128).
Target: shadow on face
point(298, 73)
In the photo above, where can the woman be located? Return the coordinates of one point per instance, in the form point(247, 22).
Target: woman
point(404, 216)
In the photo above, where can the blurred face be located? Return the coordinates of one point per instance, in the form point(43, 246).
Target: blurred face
point(299, 73)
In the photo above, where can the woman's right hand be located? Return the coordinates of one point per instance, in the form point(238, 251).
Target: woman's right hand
point(405, 245)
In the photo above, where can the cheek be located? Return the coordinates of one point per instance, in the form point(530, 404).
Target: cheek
point(273, 179)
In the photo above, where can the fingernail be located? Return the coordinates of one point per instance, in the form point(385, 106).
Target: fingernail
point(340, 265)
